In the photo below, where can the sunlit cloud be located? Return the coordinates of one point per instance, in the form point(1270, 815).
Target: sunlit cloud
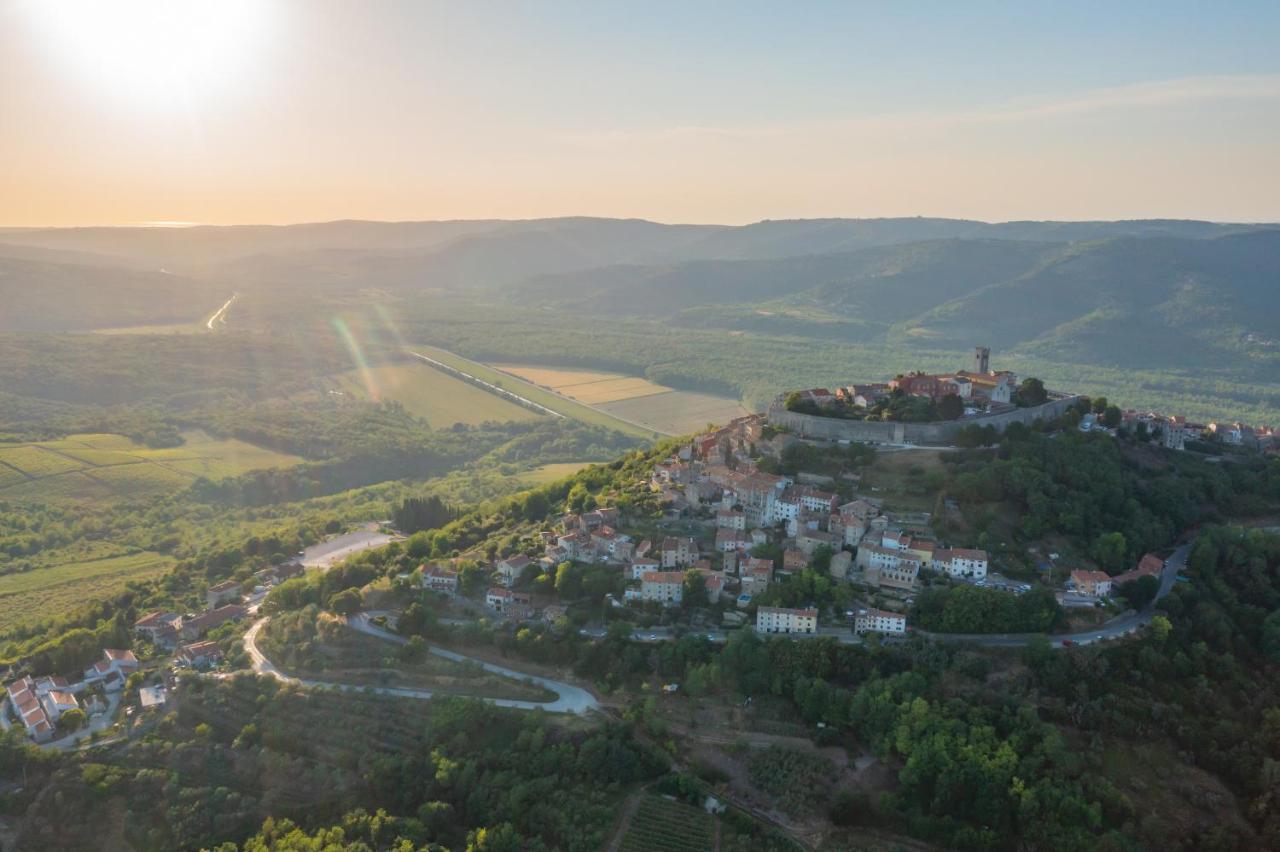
point(1149, 95)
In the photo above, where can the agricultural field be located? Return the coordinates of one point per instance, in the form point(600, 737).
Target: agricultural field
point(424, 391)
point(632, 398)
point(591, 388)
point(664, 825)
point(36, 461)
point(534, 393)
point(677, 412)
point(99, 466)
point(31, 596)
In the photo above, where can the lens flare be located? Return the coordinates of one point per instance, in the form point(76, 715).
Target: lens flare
point(357, 355)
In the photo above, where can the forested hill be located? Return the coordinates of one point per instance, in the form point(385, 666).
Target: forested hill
point(1130, 301)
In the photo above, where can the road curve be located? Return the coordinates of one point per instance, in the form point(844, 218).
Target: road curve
point(221, 312)
point(570, 699)
point(1115, 628)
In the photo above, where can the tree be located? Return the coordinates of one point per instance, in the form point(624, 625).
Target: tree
point(1271, 636)
point(569, 577)
point(1111, 550)
point(499, 838)
point(950, 407)
point(472, 578)
point(1161, 627)
point(1111, 417)
point(1031, 392)
point(695, 588)
point(1099, 404)
point(1140, 592)
point(345, 602)
point(72, 720)
point(414, 650)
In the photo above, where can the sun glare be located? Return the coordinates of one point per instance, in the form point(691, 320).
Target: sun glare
point(157, 52)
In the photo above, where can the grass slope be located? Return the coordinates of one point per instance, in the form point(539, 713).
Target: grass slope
point(428, 393)
point(32, 596)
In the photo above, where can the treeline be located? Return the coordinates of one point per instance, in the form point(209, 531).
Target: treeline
point(1092, 487)
point(970, 609)
point(422, 513)
point(363, 445)
point(240, 751)
point(758, 366)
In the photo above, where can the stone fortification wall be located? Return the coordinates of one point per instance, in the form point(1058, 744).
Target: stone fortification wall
point(940, 432)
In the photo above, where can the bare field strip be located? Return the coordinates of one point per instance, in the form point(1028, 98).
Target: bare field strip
point(427, 392)
point(677, 412)
point(612, 390)
point(536, 393)
point(590, 387)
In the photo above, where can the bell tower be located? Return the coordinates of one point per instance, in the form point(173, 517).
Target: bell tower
point(981, 360)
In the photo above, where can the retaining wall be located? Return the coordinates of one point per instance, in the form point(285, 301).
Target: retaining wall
point(939, 432)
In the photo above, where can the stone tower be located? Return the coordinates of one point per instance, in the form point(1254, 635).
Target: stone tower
point(981, 360)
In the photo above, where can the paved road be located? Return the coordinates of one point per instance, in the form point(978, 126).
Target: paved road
point(570, 699)
point(326, 554)
point(1117, 627)
point(666, 634)
point(220, 316)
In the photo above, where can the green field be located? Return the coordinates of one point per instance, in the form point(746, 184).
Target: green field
point(533, 393)
point(98, 466)
point(664, 825)
point(550, 472)
point(428, 393)
point(34, 460)
point(31, 596)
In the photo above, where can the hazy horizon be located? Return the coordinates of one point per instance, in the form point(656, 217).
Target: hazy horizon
point(171, 225)
point(282, 112)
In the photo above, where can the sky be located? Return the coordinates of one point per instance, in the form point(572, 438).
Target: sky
point(275, 111)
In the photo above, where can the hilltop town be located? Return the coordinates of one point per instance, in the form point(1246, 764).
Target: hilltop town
point(957, 405)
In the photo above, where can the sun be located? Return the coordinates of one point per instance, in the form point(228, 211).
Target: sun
point(156, 52)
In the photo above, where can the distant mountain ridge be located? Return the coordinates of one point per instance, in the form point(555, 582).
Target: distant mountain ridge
point(1143, 292)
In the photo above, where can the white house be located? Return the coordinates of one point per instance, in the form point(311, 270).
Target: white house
point(667, 587)
point(439, 579)
point(678, 552)
point(510, 569)
point(643, 565)
point(508, 602)
point(58, 701)
point(27, 706)
point(879, 621)
point(731, 519)
point(773, 619)
point(961, 562)
point(120, 662)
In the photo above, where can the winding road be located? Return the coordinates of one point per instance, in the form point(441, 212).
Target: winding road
point(219, 317)
point(1117, 627)
point(1113, 629)
point(570, 699)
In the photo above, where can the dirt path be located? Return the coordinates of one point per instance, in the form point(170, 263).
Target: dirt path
point(625, 814)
